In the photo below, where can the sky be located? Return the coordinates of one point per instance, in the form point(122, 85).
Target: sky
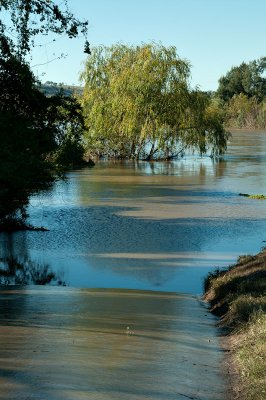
point(213, 35)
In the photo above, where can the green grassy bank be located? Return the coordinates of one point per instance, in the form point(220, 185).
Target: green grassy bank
point(238, 296)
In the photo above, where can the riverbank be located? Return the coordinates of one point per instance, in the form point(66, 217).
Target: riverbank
point(238, 296)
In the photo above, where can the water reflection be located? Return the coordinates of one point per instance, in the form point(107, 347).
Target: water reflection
point(27, 272)
point(101, 246)
point(127, 180)
point(21, 270)
point(158, 226)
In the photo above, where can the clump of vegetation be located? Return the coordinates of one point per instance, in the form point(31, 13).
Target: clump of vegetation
point(241, 93)
point(253, 196)
point(258, 196)
point(238, 295)
point(246, 79)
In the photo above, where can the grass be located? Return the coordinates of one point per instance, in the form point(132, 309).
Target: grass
point(238, 296)
point(253, 196)
point(257, 196)
point(250, 355)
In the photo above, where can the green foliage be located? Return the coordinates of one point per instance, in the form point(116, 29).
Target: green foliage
point(30, 18)
point(25, 135)
point(211, 276)
point(245, 306)
point(258, 196)
point(70, 153)
point(33, 128)
point(243, 112)
point(246, 79)
point(234, 292)
point(254, 196)
point(138, 104)
point(242, 91)
point(68, 119)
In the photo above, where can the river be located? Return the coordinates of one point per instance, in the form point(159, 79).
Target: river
point(154, 228)
point(150, 226)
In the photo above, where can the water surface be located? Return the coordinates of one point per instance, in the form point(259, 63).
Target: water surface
point(73, 344)
point(142, 226)
point(150, 226)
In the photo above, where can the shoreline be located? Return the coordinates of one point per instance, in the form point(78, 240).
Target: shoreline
point(237, 296)
point(259, 130)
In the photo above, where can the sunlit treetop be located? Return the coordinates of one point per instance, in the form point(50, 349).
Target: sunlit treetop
point(138, 103)
point(247, 79)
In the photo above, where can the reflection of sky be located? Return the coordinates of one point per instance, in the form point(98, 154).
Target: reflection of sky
point(151, 225)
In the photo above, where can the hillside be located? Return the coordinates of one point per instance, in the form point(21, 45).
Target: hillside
point(52, 88)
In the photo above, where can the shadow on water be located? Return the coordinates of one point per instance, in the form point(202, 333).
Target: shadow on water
point(149, 226)
point(101, 246)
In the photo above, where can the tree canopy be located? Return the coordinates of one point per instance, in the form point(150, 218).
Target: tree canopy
point(246, 79)
point(33, 128)
point(138, 104)
point(29, 18)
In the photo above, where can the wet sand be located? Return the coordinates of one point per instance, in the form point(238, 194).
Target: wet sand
point(71, 344)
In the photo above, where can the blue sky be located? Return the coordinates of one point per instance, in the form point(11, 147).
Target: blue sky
point(213, 35)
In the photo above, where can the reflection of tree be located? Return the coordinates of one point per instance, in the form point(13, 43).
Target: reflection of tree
point(140, 179)
point(26, 272)
point(17, 268)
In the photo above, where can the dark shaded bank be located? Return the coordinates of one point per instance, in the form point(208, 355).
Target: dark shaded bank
point(238, 296)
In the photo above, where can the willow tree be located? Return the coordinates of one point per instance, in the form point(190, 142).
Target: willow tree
point(138, 104)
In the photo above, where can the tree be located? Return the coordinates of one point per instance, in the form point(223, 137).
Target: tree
point(66, 112)
point(138, 104)
point(29, 18)
point(32, 126)
point(246, 79)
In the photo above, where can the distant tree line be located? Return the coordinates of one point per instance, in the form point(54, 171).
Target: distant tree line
point(241, 95)
point(50, 88)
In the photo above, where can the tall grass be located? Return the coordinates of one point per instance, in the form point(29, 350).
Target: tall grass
point(238, 295)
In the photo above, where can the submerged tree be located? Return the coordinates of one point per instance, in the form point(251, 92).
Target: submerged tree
point(138, 104)
point(32, 127)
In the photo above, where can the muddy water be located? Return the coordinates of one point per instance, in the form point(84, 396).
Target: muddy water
point(141, 226)
point(76, 344)
point(151, 226)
